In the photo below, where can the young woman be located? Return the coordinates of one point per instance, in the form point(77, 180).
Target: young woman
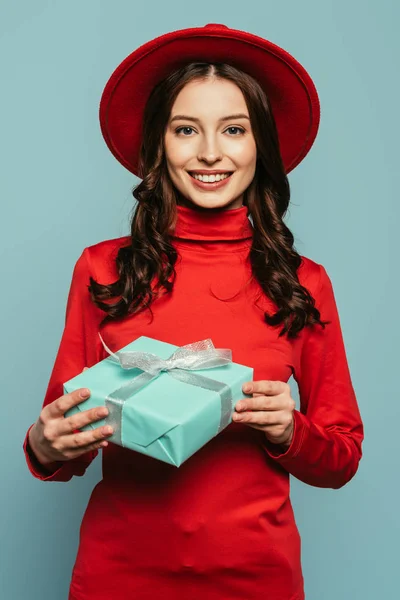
point(212, 120)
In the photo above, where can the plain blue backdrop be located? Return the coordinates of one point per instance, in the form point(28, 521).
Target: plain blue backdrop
point(62, 190)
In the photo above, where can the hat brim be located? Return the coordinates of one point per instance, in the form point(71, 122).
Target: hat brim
point(290, 89)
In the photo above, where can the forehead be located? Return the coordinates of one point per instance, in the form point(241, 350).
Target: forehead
point(210, 96)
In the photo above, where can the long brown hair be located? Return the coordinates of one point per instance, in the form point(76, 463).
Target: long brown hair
point(146, 267)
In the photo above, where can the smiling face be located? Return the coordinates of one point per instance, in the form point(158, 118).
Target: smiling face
point(209, 145)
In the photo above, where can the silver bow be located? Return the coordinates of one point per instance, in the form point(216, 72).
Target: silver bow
point(198, 355)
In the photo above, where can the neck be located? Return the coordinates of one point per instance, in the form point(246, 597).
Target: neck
point(227, 227)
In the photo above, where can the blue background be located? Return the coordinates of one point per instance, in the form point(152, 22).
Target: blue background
point(62, 190)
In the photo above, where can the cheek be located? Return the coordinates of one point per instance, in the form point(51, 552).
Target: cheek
point(177, 154)
point(245, 156)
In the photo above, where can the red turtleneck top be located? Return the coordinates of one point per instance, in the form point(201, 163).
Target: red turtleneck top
point(221, 526)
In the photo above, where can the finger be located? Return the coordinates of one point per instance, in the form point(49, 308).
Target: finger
point(264, 418)
point(90, 447)
point(59, 407)
point(261, 402)
point(80, 419)
point(84, 438)
point(85, 369)
point(60, 442)
point(268, 388)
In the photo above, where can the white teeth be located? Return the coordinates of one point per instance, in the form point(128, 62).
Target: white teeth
point(210, 178)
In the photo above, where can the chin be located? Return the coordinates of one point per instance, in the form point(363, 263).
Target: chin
point(216, 205)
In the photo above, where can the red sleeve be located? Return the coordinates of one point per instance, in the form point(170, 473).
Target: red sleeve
point(326, 447)
point(79, 347)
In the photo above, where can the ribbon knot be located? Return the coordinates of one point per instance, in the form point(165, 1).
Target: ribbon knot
point(191, 357)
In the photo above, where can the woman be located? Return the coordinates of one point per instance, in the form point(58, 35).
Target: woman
point(213, 136)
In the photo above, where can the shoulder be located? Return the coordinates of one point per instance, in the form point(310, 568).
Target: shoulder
point(315, 278)
point(99, 259)
point(312, 275)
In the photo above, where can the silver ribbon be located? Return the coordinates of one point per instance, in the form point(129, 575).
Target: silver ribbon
point(198, 355)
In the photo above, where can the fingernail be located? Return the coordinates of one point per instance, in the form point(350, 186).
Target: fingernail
point(247, 387)
point(107, 430)
point(84, 393)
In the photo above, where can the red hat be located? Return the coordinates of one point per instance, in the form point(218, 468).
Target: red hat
point(290, 89)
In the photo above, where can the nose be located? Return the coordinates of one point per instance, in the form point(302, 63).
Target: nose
point(209, 150)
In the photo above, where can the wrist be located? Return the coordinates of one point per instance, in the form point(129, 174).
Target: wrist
point(35, 452)
point(286, 443)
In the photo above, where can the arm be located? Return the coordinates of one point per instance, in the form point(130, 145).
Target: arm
point(325, 449)
point(79, 348)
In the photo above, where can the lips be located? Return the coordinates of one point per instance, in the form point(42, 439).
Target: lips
point(209, 185)
point(209, 173)
point(215, 173)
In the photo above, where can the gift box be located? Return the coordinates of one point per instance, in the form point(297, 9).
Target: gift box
point(165, 401)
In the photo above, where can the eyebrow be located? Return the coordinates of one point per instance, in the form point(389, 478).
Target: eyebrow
point(228, 118)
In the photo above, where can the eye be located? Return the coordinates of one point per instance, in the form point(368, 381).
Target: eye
point(179, 129)
point(239, 129)
point(187, 130)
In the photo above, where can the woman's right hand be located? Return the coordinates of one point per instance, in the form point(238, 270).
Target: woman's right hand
point(53, 437)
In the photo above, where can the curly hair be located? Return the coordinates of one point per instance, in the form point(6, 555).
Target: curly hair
point(146, 267)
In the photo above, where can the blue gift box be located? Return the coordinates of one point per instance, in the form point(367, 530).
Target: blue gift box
point(164, 408)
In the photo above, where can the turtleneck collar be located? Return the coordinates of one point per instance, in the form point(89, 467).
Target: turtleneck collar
point(225, 225)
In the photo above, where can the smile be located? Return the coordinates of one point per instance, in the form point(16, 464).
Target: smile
point(210, 182)
point(210, 178)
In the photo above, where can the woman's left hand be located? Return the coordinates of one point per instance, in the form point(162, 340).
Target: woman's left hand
point(270, 409)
